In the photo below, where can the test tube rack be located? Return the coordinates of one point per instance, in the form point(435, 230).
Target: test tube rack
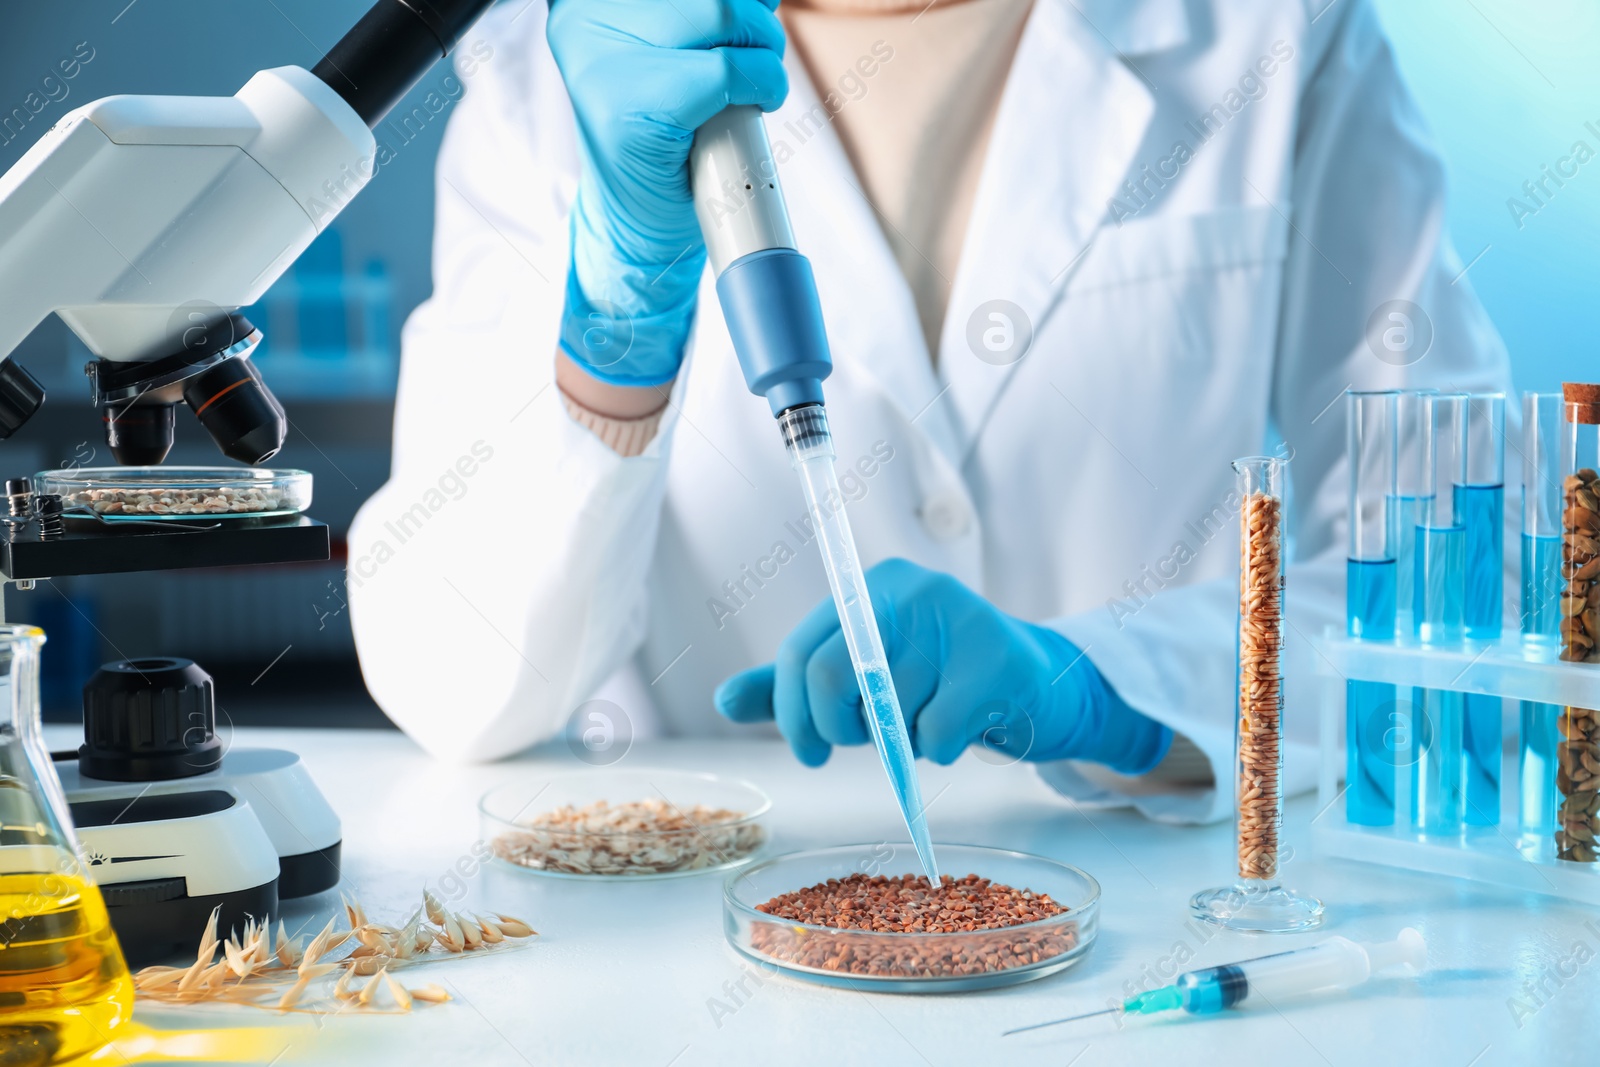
point(1497, 855)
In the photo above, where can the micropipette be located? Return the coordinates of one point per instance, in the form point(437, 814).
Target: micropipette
point(1330, 966)
point(769, 301)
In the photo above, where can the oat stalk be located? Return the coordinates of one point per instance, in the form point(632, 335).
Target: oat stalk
point(259, 971)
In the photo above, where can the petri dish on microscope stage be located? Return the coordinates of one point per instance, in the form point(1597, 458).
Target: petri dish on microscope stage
point(177, 494)
point(897, 962)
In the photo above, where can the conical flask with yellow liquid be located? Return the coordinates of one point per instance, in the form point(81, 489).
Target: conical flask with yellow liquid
point(64, 987)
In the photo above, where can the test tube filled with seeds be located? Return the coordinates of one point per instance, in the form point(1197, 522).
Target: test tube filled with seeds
point(1578, 751)
point(1258, 901)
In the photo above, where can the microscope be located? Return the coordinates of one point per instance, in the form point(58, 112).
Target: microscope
point(145, 223)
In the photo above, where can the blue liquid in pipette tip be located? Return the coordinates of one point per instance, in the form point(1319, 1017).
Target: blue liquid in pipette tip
point(1481, 509)
point(814, 463)
point(883, 710)
point(1372, 719)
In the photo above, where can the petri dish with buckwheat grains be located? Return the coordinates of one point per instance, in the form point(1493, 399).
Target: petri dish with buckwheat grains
point(838, 916)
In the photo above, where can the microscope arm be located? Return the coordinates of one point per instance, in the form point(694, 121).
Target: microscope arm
point(138, 218)
point(146, 222)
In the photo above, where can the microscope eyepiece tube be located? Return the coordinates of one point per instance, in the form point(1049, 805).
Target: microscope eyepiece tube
point(391, 48)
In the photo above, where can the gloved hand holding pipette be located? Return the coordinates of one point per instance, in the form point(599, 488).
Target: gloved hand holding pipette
point(966, 673)
point(642, 78)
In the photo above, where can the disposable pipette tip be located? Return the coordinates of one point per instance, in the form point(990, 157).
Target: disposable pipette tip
point(810, 448)
point(924, 846)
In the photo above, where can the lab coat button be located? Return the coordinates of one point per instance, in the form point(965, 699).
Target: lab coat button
point(946, 515)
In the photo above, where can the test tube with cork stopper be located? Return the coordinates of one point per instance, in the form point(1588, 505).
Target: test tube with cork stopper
point(1577, 763)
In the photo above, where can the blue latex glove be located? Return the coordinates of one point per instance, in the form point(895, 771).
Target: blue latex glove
point(966, 673)
point(642, 78)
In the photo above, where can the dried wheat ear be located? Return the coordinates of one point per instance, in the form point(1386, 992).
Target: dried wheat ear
point(261, 971)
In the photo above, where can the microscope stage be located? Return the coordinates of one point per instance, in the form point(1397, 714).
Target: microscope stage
point(88, 547)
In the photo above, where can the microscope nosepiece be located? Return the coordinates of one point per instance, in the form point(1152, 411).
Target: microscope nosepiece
point(214, 377)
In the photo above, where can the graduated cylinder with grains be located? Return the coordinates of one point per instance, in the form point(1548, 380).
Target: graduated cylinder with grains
point(1258, 901)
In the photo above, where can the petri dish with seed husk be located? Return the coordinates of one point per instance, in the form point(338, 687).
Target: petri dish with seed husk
point(863, 917)
point(609, 824)
point(177, 494)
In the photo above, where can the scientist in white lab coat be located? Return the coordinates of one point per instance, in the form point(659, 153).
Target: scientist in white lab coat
point(1074, 256)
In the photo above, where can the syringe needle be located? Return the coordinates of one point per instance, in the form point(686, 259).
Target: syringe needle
point(1058, 1022)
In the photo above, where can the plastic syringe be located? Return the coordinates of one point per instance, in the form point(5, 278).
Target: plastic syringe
point(1331, 966)
point(769, 301)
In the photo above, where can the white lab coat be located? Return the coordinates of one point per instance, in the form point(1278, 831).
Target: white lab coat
point(513, 563)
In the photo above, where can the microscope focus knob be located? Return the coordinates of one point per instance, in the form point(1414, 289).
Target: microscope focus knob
point(148, 720)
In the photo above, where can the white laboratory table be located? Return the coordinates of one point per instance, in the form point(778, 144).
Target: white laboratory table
point(639, 974)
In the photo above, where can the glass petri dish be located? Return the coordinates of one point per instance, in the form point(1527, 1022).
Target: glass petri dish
point(554, 826)
point(873, 961)
point(177, 494)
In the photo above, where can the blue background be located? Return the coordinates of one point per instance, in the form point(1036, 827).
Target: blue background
point(1508, 88)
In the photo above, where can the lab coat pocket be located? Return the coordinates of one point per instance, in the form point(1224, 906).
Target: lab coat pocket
point(1186, 296)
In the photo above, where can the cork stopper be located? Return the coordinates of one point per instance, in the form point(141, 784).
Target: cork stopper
point(1582, 402)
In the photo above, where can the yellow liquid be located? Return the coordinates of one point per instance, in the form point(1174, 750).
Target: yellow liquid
point(64, 988)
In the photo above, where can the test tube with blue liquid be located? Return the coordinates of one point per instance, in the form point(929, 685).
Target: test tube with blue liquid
point(1371, 710)
point(1480, 502)
point(1439, 616)
point(1409, 497)
point(1540, 608)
